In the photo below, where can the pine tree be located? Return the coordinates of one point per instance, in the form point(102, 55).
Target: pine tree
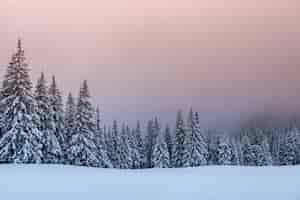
point(248, 157)
point(198, 146)
point(225, 151)
point(169, 142)
point(100, 141)
point(21, 140)
point(289, 153)
point(181, 153)
point(83, 149)
point(160, 156)
point(134, 150)
point(149, 140)
point(110, 146)
point(57, 115)
point(267, 156)
point(115, 150)
point(212, 149)
point(236, 146)
point(70, 117)
point(275, 140)
point(119, 147)
point(255, 153)
point(125, 152)
point(140, 145)
point(51, 147)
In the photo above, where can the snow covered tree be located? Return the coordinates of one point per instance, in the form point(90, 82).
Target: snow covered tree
point(225, 151)
point(197, 144)
point(115, 150)
point(70, 117)
point(181, 149)
point(21, 140)
point(289, 152)
point(169, 142)
point(83, 149)
point(275, 141)
point(51, 147)
point(266, 158)
point(149, 143)
point(57, 115)
point(255, 154)
point(140, 145)
point(248, 156)
point(160, 156)
point(125, 156)
point(212, 148)
point(134, 150)
point(119, 153)
point(110, 145)
point(236, 147)
point(100, 141)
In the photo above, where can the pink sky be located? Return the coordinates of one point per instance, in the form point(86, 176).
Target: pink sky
point(144, 58)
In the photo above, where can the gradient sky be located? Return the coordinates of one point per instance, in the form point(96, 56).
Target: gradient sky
point(227, 58)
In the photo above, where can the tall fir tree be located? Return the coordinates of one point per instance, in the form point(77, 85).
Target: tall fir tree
point(125, 155)
point(169, 142)
point(110, 145)
point(70, 118)
point(140, 145)
point(197, 143)
point(100, 140)
point(225, 151)
point(160, 156)
point(57, 115)
point(115, 150)
point(134, 150)
point(289, 152)
point(83, 149)
point(181, 149)
point(149, 143)
point(21, 140)
point(51, 147)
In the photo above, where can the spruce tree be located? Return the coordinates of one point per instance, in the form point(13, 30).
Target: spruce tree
point(70, 117)
point(57, 116)
point(149, 143)
point(134, 150)
point(109, 143)
point(169, 142)
point(266, 152)
point(289, 152)
point(21, 140)
point(249, 158)
point(83, 149)
point(51, 147)
point(198, 146)
point(100, 140)
point(212, 149)
point(225, 152)
point(115, 150)
point(160, 157)
point(125, 151)
point(140, 145)
point(181, 149)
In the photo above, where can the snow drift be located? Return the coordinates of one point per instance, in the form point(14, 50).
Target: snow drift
point(205, 183)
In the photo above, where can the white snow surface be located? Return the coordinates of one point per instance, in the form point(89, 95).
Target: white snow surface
point(55, 182)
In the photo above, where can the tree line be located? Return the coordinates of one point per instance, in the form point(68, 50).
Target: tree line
point(37, 127)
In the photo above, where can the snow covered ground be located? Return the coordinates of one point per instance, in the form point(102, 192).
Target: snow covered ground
point(205, 183)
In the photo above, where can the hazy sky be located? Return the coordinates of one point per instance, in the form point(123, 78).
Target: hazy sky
point(228, 58)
